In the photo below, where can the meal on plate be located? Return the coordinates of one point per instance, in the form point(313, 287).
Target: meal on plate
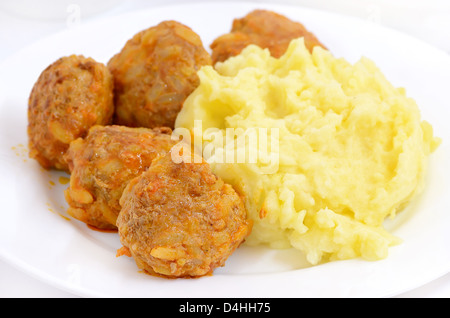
point(71, 95)
point(154, 73)
point(269, 140)
point(352, 149)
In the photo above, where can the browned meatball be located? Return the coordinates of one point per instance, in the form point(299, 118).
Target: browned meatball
point(103, 163)
point(264, 28)
point(154, 73)
point(180, 220)
point(70, 96)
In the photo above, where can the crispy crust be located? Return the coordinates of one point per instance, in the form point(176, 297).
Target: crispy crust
point(103, 163)
point(70, 96)
point(264, 28)
point(154, 73)
point(180, 220)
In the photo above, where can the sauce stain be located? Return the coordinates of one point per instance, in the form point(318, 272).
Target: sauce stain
point(50, 208)
point(100, 230)
point(21, 151)
point(64, 180)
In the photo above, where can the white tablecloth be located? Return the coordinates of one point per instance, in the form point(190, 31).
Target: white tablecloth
point(19, 26)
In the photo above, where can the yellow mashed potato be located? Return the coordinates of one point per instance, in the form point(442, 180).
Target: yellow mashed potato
point(352, 149)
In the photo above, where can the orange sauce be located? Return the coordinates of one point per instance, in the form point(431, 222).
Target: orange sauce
point(100, 230)
point(49, 207)
point(64, 180)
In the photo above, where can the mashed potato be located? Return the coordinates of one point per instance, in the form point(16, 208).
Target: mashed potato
point(350, 149)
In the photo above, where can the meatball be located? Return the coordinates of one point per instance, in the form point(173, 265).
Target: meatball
point(154, 73)
point(103, 163)
point(180, 220)
point(70, 96)
point(264, 28)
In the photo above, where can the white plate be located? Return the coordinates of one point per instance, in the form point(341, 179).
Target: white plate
point(38, 237)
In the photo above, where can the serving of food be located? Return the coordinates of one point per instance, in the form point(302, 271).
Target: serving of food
point(335, 121)
point(189, 150)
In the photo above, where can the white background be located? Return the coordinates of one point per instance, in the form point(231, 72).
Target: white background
point(25, 21)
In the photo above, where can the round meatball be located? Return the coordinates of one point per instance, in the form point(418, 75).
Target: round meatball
point(154, 73)
point(180, 220)
point(265, 29)
point(70, 96)
point(103, 163)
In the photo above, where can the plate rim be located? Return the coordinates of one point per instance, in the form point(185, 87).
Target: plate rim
point(40, 275)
